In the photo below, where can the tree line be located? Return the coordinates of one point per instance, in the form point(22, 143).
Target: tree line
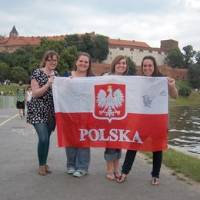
point(189, 59)
point(18, 66)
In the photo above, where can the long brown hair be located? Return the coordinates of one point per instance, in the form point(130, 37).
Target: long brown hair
point(156, 71)
point(48, 54)
point(89, 70)
point(115, 61)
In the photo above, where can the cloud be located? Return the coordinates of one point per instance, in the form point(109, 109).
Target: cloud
point(144, 20)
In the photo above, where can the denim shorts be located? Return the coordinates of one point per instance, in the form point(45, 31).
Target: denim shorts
point(112, 154)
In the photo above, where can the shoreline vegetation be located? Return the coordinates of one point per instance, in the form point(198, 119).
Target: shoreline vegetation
point(181, 164)
point(192, 100)
point(9, 90)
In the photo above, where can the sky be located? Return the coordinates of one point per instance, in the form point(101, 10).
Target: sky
point(149, 21)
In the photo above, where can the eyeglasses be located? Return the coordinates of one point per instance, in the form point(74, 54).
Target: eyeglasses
point(52, 60)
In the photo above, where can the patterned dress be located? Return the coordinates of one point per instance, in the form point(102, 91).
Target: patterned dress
point(40, 109)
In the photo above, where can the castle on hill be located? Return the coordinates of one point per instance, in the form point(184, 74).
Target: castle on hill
point(136, 50)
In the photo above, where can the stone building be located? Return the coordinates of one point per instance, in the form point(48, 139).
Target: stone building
point(137, 50)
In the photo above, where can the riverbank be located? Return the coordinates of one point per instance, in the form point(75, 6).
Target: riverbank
point(9, 90)
point(192, 100)
point(181, 163)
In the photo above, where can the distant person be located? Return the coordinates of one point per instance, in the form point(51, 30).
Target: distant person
point(28, 96)
point(148, 68)
point(20, 94)
point(40, 111)
point(66, 74)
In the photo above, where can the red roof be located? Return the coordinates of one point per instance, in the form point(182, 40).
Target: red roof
point(127, 43)
point(23, 41)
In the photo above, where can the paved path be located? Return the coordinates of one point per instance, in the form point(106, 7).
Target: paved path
point(19, 180)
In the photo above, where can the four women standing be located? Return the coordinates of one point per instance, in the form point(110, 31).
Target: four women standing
point(41, 115)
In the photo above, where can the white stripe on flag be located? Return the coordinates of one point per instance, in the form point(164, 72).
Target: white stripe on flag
point(144, 95)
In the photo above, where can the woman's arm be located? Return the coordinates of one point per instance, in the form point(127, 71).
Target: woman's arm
point(38, 91)
point(173, 92)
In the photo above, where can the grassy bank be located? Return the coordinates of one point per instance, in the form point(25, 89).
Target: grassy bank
point(9, 90)
point(192, 100)
point(181, 163)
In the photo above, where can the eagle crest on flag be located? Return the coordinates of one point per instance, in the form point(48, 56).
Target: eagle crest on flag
point(110, 101)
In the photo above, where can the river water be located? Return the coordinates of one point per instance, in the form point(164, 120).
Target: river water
point(184, 129)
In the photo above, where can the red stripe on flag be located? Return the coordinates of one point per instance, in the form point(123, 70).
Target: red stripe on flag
point(147, 132)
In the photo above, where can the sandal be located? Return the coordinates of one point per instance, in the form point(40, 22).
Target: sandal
point(42, 171)
point(48, 171)
point(110, 176)
point(122, 178)
point(155, 181)
point(117, 175)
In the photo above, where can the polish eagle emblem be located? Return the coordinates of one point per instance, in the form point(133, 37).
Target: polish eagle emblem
point(110, 102)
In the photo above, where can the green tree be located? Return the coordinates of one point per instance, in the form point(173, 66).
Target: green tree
point(100, 48)
point(197, 57)
point(131, 66)
point(175, 58)
point(73, 40)
point(188, 55)
point(194, 75)
point(19, 74)
point(46, 45)
point(5, 70)
point(67, 59)
point(95, 45)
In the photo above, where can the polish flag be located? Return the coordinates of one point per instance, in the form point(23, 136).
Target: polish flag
point(129, 112)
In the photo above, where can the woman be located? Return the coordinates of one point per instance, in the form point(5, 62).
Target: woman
point(148, 68)
point(78, 158)
point(40, 108)
point(112, 156)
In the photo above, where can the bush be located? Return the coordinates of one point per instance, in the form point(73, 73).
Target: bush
point(184, 91)
point(194, 75)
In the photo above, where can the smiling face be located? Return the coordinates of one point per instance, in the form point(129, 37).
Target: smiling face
point(51, 62)
point(148, 67)
point(121, 67)
point(82, 63)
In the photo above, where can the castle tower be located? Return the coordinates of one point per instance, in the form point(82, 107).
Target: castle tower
point(13, 32)
point(167, 45)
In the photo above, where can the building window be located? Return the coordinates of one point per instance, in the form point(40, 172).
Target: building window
point(150, 51)
point(141, 50)
point(121, 48)
point(110, 53)
point(131, 49)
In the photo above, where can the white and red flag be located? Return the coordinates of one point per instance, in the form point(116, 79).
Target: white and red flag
point(128, 112)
